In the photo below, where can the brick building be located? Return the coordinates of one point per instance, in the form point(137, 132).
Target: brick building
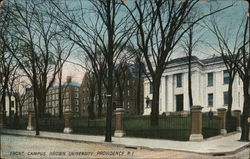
point(129, 93)
point(70, 98)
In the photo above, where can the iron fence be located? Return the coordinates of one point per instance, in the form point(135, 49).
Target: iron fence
point(92, 127)
point(210, 126)
point(170, 127)
point(231, 123)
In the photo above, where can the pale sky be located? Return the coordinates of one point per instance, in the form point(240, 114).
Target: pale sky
point(228, 19)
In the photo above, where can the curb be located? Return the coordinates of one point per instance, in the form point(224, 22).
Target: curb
point(131, 146)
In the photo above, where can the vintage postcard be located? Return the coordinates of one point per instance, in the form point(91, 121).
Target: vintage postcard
point(124, 79)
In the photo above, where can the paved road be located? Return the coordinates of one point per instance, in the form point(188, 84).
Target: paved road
point(20, 147)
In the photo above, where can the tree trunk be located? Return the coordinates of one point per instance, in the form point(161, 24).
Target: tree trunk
point(35, 107)
point(190, 82)
point(4, 107)
point(154, 118)
point(3, 95)
point(9, 97)
point(99, 92)
point(246, 111)
point(60, 105)
point(91, 109)
point(41, 104)
point(20, 110)
point(230, 97)
point(109, 105)
point(3, 100)
point(138, 99)
point(121, 98)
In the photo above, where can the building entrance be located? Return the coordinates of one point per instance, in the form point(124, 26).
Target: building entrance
point(179, 102)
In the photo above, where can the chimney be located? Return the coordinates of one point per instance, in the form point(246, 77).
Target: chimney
point(69, 78)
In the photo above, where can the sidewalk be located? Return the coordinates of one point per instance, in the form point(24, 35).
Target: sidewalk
point(217, 145)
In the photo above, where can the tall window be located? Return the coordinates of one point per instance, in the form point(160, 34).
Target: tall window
point(179, 80)
point(225, 94)
point(210, 99)
point(76, 95)
point(76, 109)
point(226, 77)
point(12, 104)
point(210, 79)
point(239, 99)
point(76, 102)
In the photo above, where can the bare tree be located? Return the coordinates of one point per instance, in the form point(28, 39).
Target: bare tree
point(20, 86)
point(189, 43)
point(244, 72)
point(99, 70)
point(236, 59)
point(38, 53)
point(101, 25)
point(96, 64)
point(138, 60)
point(62, 49)
point(229, 45)
point(120, 78)
point(158, 32)
point(91, 89)
point(60, 104)
point(11, 83)
point(8, 64)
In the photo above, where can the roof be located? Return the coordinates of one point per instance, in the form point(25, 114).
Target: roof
point(182, 59)
point(194, 58)
point(212, 60)
point(75, 84)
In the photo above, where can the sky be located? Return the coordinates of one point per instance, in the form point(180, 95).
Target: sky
point(228, 21)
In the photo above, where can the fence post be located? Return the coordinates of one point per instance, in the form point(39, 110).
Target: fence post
point(236, 114)
point(222, 115)
point(119, 131)
point(31, 122)
point(67, 121)
point(196, 134)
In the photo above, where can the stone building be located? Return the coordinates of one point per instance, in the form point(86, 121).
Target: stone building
point(10, 104)
point(70, 98)
point(209, 86)
point(129, 93)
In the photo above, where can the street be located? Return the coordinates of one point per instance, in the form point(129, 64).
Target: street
point(18, 147)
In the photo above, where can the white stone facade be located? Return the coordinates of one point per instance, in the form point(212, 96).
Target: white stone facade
point(10, 105)
point(200, 68)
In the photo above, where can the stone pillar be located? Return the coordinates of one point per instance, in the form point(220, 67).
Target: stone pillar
point(119, 131)
point(31, 125)
point(67, 121)
point(2, 119)
point(236, 114)
point(222, 115)
point(196, 134)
